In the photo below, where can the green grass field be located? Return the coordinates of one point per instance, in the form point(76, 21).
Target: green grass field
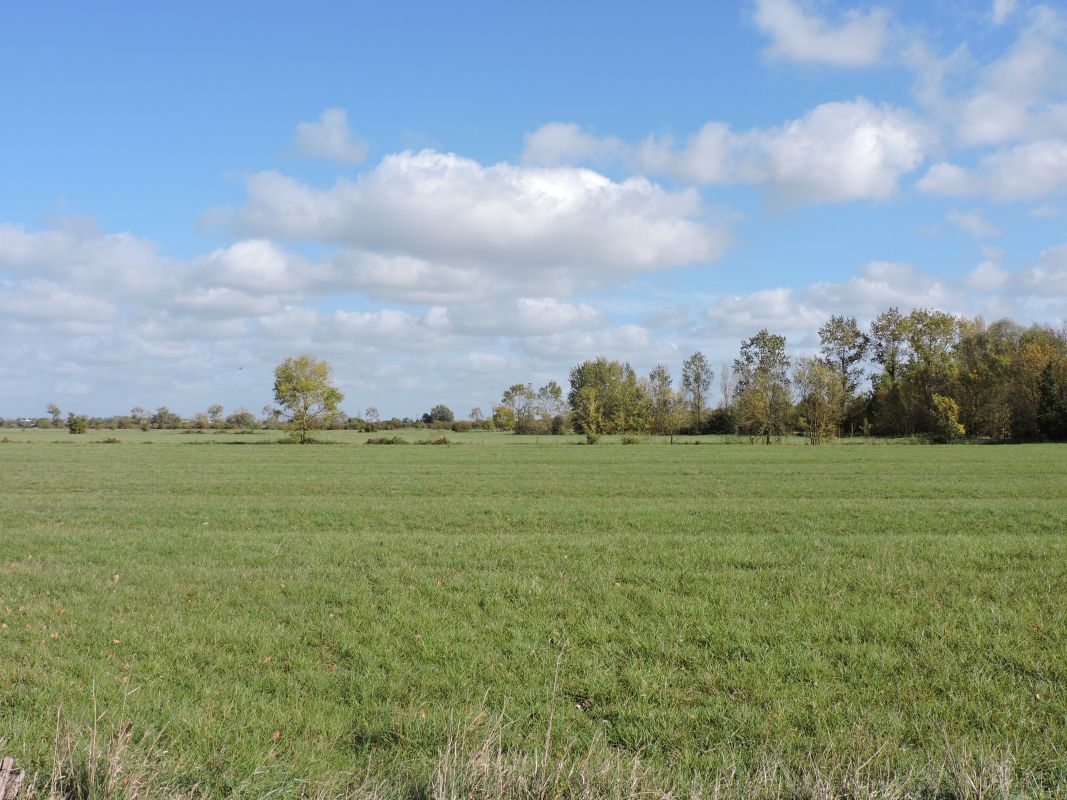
point(273, 614)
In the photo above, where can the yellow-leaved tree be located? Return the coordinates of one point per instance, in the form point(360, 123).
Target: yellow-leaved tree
point(303, 386)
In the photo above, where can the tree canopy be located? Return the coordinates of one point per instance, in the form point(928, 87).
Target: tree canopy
point(303, 387)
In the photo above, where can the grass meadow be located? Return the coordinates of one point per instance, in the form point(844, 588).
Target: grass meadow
point(729, 618)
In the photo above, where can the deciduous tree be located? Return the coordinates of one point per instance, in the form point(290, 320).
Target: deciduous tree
point(303, 386)
point(439, 413)
point(663, 400)
point(214, 413)
point(696, 381)
point(820, 406)
point(844, 346)
point(763, 402)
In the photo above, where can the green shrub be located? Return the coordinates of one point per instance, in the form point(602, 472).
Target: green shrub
point(388, 440)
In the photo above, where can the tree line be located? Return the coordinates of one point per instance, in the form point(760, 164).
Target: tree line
point(925, 373)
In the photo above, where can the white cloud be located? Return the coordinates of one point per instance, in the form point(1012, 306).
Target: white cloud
point(973, 223)
point(258, 266)
point(1037, 293)
point(330, 138)
point(1026, 171)
point(837, 152)
point(38, 300)
point(1049, 277)
point(1045, 211)
point(557, 143)
point(82, 258)
point(223, 302)
point(1016, 97)
point(947, 179)
point(1022, 172)
point(408, 279)
point(844, 151)
point(1002, 9)
point(387, 323)
point(624, 342)
point(988, 276)
point(745, 314)
point(528, 316)
point(446, 209)
point(796, 34)
point(709, 156)
point(880, 284)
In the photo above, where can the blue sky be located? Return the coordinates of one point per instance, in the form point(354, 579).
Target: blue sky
point(444, 200)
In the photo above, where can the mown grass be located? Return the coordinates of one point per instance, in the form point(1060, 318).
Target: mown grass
point(272, 615)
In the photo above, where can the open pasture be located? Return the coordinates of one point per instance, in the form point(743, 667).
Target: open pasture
point(272, 614)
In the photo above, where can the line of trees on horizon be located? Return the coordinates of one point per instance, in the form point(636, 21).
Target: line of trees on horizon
point(924, 373)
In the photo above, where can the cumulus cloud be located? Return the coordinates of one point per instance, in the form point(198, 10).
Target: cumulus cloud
point(444, 208)
point(744, 314)
point(859, 39)
point(1015, 98)
point(948, 179)
point(711, 155)
point(557, 143)
point(837, 152)
point(1037, 293)
point(530, 316)
point(82, 258)
point(624, 342)
point(1019, 96)
point(880, 284)
point(843, 151)
point(1023, 172)
point(223, 302)
point(973, 223)
point(875, 287)
point(38, 300)
point(330, 138)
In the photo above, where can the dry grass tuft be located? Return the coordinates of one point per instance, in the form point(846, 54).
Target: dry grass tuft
point(476, 763)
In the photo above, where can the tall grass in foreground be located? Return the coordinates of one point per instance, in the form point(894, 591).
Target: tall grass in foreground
point(102, 760)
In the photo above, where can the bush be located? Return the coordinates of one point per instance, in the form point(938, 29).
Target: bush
point(720, 422)
point(242, 419)
point(439, 413)
point(632, 440)
point(388, 440)
point(437, 440)
point(531, 427)
point(77, 424)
